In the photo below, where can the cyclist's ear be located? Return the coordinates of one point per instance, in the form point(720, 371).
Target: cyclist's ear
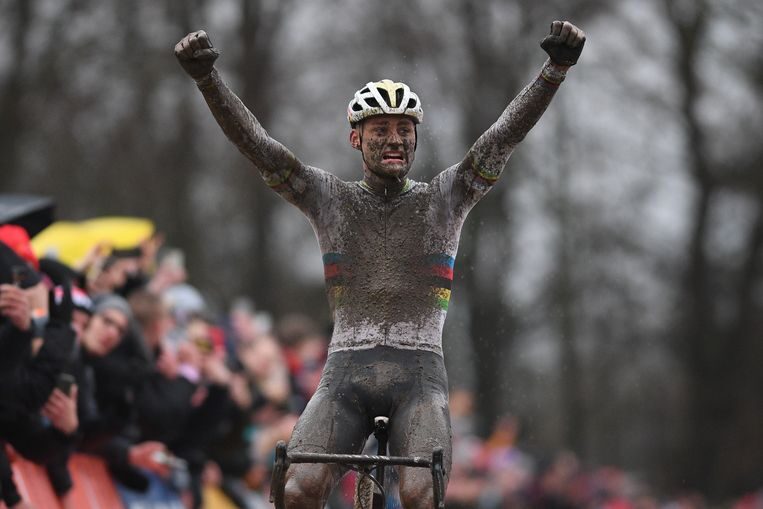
point(355, 137)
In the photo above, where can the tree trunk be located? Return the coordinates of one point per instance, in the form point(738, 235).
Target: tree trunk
point(710, 380)
point(256, 35)
point(564, 298)
point(12, 119)
point(491, 327)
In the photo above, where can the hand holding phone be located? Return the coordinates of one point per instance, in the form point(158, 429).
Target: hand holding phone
point(61, 407)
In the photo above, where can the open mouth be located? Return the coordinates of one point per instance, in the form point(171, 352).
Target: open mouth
point(393, 157)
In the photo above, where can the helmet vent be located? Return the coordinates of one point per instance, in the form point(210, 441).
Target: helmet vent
point(411, 103)
point(399, 93)
point(372, 102)
point(385, 95)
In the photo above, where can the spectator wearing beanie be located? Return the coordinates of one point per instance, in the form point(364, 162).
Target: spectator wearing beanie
point(102, 429)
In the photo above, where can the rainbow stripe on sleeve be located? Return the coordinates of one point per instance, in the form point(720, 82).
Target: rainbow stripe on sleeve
point(487, 177)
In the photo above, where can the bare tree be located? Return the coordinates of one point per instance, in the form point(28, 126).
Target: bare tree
point(257, 37)
point(12, 119)
point(717, 348)
point(499, 59)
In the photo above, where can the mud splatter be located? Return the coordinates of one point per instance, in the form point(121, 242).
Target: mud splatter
point(388, 256)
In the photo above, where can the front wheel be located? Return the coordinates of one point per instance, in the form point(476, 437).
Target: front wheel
point(364, 492)
point(279, 476)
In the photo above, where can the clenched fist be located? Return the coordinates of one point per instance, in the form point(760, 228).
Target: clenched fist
point(564, 44)
point(196, 54)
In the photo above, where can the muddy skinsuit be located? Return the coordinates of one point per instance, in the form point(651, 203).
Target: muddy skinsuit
point(388, 264)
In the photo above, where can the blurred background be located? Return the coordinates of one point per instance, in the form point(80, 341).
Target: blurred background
point(608, 291)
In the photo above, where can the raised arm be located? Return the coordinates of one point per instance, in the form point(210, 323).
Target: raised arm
point(275, 162)
point(485, 161)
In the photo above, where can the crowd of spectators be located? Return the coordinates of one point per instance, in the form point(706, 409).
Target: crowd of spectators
point(120, 357)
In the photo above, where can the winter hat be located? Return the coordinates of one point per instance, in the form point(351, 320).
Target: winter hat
point(111, 301)
point(17, 239)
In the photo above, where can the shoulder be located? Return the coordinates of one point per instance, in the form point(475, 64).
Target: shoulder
point(324, 176)
point(443, 182)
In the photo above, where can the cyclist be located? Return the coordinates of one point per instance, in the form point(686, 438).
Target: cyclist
point(388, 246)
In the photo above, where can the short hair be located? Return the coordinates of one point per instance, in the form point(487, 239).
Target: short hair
point(147, 307)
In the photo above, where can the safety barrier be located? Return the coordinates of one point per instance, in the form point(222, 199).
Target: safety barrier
point(93, 486)
point(32, 482)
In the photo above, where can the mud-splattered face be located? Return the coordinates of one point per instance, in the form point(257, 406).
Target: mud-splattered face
point(388, 144)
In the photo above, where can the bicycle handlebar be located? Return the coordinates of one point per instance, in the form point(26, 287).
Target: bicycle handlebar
point(359, 459)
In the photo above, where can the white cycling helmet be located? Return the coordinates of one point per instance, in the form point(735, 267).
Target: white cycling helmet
point(384, 97)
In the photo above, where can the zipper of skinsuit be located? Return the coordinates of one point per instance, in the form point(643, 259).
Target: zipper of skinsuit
point(386, 258)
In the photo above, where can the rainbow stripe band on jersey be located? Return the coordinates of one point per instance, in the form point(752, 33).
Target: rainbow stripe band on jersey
point(439, 267)
point(334, 270)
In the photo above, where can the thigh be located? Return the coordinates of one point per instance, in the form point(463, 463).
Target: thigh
point(333, 422)
point(329, 424)
point(420, 424)
point(421, 420)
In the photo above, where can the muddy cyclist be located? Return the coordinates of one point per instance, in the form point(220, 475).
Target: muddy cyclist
point(388, 244)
